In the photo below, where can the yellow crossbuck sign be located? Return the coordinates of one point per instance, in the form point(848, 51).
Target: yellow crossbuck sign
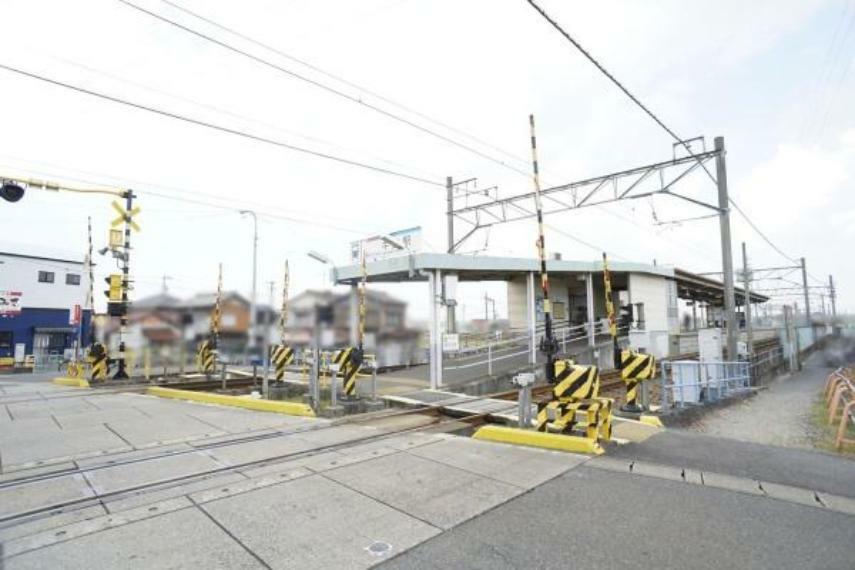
point(125, 216)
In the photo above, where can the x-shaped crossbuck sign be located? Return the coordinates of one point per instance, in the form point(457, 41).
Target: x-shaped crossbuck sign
point(125, 216)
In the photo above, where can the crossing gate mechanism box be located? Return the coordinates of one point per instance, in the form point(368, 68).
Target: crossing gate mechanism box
point(686, 377)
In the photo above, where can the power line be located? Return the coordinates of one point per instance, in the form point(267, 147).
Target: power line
point(342, 80)
point(234, 208)
point(650, 113)
point(342, 94)
point(233, 114)
point(320, 85)
point(220, 128)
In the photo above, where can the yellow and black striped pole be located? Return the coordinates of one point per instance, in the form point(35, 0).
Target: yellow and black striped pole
point(350, 360)
point(610, 310)
point(548, 345)
point(206, 353)
point(283, 316)
point(215, 316)
point(282, 355)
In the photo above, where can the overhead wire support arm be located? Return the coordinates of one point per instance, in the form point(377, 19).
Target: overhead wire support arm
point(509, 209)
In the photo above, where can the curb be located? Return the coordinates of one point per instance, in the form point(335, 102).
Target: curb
point(73, 382)
point(288, 408)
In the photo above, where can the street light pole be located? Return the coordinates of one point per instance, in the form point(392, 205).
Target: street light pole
point(252, 299)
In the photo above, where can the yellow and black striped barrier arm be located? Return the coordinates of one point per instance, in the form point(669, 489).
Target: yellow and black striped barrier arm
point(281, 356)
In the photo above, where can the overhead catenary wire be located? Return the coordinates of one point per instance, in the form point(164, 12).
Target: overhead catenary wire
point(342, 80)
point(141, 188)
point(328, 88)
point(650, 113)
point(220, 128)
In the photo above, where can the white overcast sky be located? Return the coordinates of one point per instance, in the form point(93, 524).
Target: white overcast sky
point(774, 78)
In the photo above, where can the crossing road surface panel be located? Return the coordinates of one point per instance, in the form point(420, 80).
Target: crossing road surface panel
point(307, 494)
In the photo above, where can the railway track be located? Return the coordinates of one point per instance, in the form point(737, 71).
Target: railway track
point(50, 509)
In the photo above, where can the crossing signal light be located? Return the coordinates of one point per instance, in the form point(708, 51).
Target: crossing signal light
point(114, 293)
point(11, 192)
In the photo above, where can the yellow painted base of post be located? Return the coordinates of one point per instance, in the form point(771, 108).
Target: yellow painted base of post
point(531, 438)
point(651, 420)
point(289, 408)
point(73, 382)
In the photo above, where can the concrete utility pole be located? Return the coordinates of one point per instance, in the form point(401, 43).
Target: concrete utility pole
point(449, 192)
point(807, 300)
point(267, 330)
point(833, 297)
point(451, 317)
point(726, 249)
point(252, 297)
point(749, 327)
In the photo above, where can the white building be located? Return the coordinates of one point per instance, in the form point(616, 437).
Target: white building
point(42, 304)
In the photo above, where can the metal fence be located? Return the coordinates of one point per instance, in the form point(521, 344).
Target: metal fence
point(691, 383)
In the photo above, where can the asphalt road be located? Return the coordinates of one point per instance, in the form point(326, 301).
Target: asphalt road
point(588, 518)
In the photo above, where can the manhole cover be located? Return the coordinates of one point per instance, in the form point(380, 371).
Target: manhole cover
point(379, 548)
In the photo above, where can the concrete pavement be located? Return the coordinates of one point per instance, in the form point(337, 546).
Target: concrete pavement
point(590, 518)
point(106, 480)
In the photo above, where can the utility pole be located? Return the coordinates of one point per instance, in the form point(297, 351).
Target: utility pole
point(746, 280)
point(121, 372)
point(807, 300)
point(252, 297)
point(451, 318)
point(833, 296)
point(726, 248)
point(267, 329)
point(449, 192)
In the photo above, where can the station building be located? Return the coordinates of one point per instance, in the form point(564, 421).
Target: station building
point(650, 298)
point(42, 300)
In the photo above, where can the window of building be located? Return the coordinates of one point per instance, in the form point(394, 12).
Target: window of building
point(72, 279)
point(6, 340)
point(46, 276)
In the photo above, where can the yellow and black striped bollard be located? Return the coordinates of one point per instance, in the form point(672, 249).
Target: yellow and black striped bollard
point(281, 355)
point(575, 382)
point(635, 368)
point(205, 358)
point(98, 361)
point(349, 361)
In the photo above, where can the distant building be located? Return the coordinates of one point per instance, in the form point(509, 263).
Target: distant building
point(42, 299)
point(386, 333)
point(162, 321)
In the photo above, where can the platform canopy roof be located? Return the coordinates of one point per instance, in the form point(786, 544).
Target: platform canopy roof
point(417, 266)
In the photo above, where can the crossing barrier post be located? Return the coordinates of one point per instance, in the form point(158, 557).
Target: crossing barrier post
point(333, 386)
point(147, 363)
point(524, 382)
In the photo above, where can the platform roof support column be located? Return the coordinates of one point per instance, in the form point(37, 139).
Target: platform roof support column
point(589, 298)
point(531, 321)
point(434, 283)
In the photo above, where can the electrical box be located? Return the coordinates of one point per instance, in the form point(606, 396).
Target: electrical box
point(449, 289)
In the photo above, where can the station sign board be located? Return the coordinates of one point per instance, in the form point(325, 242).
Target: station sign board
point(401, 242)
